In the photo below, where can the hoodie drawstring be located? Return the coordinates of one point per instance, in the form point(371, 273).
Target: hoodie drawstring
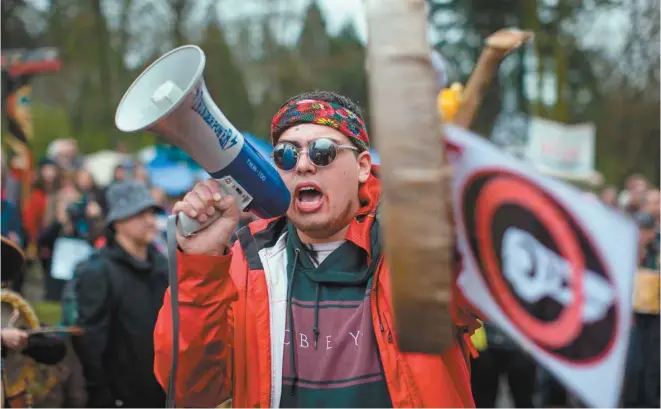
point(315, 329)
point(290, 312)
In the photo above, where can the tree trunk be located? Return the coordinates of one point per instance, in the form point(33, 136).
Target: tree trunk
point(124, 38)
point(179, 9)
point(104, 65)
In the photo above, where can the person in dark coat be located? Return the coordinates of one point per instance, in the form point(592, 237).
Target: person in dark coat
point(119, 292)
point(502, 357)
point(642, 378)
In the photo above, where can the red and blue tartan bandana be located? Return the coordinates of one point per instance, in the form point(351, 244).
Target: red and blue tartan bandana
point(309, 111)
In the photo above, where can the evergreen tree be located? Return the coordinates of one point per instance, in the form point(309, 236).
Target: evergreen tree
point(313, 47)
point(283, 71)
point(224, 79)
point(346, 72)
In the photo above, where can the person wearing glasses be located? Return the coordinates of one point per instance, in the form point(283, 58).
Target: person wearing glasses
point(298, 312)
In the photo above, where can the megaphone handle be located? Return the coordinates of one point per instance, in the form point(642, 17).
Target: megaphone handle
point(187, 226)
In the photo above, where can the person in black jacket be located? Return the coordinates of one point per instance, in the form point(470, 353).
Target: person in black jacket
point(119, 292)
point(641, 380)
point(502, 357)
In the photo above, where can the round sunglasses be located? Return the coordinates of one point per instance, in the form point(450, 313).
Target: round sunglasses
point(321, 152)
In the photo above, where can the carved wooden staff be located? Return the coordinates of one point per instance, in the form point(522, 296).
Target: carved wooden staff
point(497, 46)
point(416, 220)
point(73, 331)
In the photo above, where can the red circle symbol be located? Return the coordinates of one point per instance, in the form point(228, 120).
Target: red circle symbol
point(508, 190)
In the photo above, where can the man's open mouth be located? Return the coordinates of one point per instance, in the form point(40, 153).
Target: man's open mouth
point(308, 198)
point(309, 195)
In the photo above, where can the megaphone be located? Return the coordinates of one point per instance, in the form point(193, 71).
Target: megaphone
point(171, 100)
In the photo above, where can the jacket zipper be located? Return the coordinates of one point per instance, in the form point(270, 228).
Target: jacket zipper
point(378, 313)
point(389, 331)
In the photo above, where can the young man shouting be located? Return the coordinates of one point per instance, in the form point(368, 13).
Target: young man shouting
point(298, 312)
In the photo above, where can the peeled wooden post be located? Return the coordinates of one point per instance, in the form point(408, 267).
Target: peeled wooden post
point(416, 220)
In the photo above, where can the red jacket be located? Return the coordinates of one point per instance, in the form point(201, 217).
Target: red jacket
point(232, 313)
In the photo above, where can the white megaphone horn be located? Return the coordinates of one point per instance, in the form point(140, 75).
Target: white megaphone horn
point(171, 100)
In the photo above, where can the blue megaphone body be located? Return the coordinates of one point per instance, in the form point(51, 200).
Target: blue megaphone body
point(171, 100)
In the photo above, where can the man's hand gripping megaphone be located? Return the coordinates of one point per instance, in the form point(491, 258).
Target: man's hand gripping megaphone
point(203, 202)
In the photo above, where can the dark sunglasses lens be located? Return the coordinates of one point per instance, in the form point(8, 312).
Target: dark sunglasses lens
point(322, 152)
point(285, 156)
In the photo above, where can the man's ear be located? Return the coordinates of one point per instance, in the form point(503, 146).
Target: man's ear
point(364, 166)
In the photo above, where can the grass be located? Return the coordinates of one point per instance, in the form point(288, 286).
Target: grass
point(49, 312)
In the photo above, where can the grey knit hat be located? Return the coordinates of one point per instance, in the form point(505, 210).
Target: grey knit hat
point(127, 199)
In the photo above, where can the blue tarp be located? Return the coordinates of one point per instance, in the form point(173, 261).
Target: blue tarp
point(174, 179)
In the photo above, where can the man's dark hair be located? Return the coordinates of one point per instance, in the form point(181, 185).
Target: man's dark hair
point(329, 96)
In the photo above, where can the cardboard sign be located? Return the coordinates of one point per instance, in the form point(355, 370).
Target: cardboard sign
point(548, 267)
point(647, 291)
point(561, 148)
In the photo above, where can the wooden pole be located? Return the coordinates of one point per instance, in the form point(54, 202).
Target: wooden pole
point(497, 46)
point(419, 238)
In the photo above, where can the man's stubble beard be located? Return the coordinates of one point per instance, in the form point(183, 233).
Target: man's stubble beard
point(330, 227)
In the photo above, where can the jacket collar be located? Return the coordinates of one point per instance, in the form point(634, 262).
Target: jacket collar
point(360, 227)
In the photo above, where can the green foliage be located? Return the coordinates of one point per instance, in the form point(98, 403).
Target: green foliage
point(49, 123)
point(589, 86)
point(224, 78)
point(349, 77)
point(49, 313)
point(313, 42)
point(319, 61)
point(263, 114)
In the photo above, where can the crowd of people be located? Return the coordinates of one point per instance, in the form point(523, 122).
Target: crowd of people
point(115, 292)
point(110, 242)
point(640, 200)
point(64, 201)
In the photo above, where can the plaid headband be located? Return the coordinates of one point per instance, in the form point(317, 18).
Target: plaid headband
point(309, 111)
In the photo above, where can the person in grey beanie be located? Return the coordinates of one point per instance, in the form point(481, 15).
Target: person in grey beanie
point(119, 292)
